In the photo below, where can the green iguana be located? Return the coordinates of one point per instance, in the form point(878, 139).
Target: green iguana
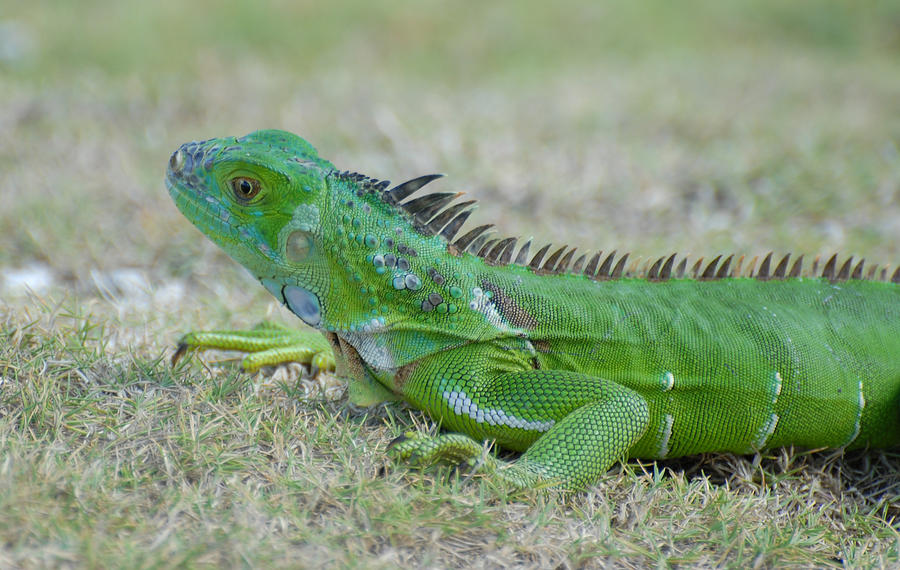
point(577, 363)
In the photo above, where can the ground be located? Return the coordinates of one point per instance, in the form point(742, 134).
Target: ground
point(697, 127)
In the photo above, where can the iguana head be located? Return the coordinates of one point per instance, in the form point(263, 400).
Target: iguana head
point(260, 198)
point(338, 248)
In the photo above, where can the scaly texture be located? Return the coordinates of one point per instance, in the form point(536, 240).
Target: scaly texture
point(575, 362)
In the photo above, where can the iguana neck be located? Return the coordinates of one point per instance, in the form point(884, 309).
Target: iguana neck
point(385, 275)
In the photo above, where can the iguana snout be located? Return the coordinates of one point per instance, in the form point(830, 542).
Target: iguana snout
point(185, 159)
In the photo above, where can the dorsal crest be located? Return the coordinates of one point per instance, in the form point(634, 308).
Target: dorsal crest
point(435, 214)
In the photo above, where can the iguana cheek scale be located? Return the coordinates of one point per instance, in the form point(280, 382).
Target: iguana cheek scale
point(575, 361)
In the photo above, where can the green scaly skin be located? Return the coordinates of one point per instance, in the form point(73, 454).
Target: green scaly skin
point(574, 369)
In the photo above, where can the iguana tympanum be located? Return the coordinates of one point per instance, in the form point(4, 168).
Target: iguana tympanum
point(577, 363)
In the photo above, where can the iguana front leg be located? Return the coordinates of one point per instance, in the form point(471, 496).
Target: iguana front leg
point(267, 344)
point(572, 426)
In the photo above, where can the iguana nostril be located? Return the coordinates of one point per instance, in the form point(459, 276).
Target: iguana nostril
point(176, 163)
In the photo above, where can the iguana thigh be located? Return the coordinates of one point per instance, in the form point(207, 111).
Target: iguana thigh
point(572, 427)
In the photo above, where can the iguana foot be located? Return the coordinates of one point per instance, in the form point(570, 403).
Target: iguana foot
point(464, 452)
point(268, 344)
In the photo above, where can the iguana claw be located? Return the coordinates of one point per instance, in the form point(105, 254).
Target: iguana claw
point(398, 440)
point(180, 351)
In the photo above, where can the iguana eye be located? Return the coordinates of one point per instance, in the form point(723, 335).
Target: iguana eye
point(245, 189)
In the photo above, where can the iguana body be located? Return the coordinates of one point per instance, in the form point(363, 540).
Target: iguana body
point(575, 367)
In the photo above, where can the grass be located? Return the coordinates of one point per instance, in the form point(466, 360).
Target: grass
point(112, 455)
point(703, 127)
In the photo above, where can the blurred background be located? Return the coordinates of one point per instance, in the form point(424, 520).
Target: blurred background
point(699, 126)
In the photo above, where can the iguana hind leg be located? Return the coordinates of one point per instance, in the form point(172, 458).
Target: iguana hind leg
point(267, 344)
point(572, 426)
